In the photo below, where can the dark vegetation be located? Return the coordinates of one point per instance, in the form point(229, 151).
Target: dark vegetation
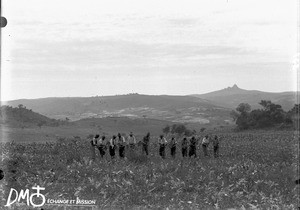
point(255, 171)
point(269, 116)
point(178, 129)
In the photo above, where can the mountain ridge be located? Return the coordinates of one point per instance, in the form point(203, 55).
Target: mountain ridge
point(205, 108)
point(171, 108)
point(230, 97)
point(97, 96)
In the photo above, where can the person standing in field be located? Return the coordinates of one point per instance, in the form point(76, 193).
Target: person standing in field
point(112, 147)
point(192, 149)
point(205, 143)
point(184, 147)
point(121, 145)
point(131, 141)
point(162, 145)
point(145, 143)
point(101, 146)
point(173, 143)
point(215, 142)
point(93, 146)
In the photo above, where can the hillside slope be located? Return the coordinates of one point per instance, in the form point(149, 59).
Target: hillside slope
point(231, 97)
point(22, 116)
point(163, 107)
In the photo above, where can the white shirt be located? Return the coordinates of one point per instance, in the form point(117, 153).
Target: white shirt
point(112, 142)
point(131, 140)
point(100, 142)
point(95, 141)
point(121, 140)
point(162, 140)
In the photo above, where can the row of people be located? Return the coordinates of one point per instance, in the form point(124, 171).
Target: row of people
point(188, 147)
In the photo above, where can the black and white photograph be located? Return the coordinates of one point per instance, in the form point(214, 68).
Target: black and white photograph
point(139, 104)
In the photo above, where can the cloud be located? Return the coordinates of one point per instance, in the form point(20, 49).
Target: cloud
point(183, 22)
point(147, 41)
point(115, 53)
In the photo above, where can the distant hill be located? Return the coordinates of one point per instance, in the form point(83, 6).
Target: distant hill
point(22, 116)
point(231, 97)
point(209, 108)
point(184, 109)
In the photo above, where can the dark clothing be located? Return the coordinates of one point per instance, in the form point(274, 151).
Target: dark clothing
point(173, 147)
point(102, 150)
point(145, 149)
point(193, 142)
point(216, 142)
point(184, 147)
point(121, 151)
point(184, 143)
point(145, 142)
point(192, 151)
point(132, 146)
point(92, 147)
point(204, 147)
point(216, 150)
point(162, 151)
point(173, 151)
point(112, 151)
point(121, 144)
point(184, 151)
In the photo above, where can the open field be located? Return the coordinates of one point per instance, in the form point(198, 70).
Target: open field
point(29, 133)
point(256, 170)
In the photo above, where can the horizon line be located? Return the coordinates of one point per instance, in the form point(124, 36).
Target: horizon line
point(125, 94)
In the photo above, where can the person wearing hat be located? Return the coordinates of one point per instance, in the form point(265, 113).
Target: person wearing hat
point(173, 143)
point(131, 140)
point(162, 144)
point(205, 143)
point(192, 149)
point(184, 147)
point(93, 146)
point(112, 146)
point(121, 144)
point(101, 144)
point(145, 143)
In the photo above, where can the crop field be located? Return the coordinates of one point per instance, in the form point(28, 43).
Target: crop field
point(255, 170)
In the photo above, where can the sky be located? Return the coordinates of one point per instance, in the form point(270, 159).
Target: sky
point(66, 48)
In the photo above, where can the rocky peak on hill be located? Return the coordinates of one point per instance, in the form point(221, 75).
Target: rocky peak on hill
point(233, 88)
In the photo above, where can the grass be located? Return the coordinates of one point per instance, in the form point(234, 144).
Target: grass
point(256, 170)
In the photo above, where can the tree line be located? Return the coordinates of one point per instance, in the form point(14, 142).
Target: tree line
point(268, 116)
point(178, 129)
